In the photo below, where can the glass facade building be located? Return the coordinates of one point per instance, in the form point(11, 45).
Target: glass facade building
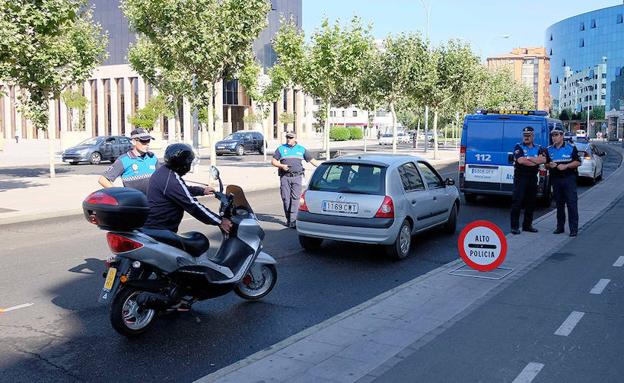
point(587, 60)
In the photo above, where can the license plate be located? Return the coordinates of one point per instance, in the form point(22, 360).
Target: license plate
point(340, 207)
point(110, 279)
point(484, 171)
point(220, 147)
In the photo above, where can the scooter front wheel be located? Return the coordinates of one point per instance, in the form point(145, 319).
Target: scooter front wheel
point(257, 283)
point(126, 316)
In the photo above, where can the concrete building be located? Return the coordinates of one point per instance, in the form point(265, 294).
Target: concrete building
point(115, 92)
point(531, 67)
point(352, 116)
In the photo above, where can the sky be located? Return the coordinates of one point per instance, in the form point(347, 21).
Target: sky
point(492, 27)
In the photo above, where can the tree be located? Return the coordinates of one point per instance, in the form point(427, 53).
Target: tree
point(405, 67)
point(75, 101)
point(329, 66)
point(147, 116)
point(455, 69)
point(197, 43)
point(501, 91)
point(369, 96)
point(47, 46)
point(597, 113)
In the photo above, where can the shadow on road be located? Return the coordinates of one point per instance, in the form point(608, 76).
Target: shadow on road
point(9, 185)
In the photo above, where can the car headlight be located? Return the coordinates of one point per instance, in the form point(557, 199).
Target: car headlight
point(232, 145)
point(82, 151)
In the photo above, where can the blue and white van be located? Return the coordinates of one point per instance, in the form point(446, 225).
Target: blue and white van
point(486, 163)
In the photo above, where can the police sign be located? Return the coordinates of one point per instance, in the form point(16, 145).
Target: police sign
point(482, 245)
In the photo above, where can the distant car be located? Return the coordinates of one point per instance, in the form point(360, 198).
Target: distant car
point(241, 142)
point(379, 199)
point(386, 139)
point(569, 137)
point(404, 137)
point(581, 134)
point(97, 149)
point(591, 161)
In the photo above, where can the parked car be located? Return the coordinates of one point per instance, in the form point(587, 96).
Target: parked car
point(380, 199)
point(591, 161)
point(241, 142)
point(402, 138)
point(569, 137)
point(386, 139)
point(97, 149)
point(581, 134)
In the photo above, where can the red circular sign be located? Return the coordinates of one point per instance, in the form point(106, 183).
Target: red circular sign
point(482, 245)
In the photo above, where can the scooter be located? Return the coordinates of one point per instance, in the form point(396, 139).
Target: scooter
point(156, 271)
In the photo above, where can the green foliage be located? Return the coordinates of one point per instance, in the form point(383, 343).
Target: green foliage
point(45, 47)
point(355, 133)
point(566, 115)
point(147, 116)
point(339, 133)
point(501, 91)
point(286, 118)
point(252, 119)
point(74, 99)
point(597, 113)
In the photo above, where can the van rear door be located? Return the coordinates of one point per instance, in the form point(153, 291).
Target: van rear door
point(484, 154)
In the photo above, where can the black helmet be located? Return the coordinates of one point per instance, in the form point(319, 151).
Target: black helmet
point(179, 158)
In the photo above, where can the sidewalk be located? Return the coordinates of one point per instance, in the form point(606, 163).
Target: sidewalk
point(34, 198)
point(366, 341)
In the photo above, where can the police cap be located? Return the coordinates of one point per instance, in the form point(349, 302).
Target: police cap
point(556, 130)
point(527, 131)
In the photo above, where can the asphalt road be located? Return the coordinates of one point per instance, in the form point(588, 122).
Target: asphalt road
point(66, 335)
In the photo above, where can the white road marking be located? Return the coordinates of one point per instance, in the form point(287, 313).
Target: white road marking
point(568, 325)
point(16, 307)
point(529, 373)
point(619, 262)
point(600, 286)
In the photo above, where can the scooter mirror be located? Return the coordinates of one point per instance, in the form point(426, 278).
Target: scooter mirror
point(214, 172)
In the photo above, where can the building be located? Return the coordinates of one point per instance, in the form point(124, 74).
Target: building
point(115, 92)
point(531, 67)
point(355, 117)
point(587, 57)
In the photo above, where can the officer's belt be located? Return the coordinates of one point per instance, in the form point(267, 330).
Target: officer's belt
point(293, 174)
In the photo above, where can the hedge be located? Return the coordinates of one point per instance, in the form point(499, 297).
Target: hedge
point(339, 133)
point(355, 133)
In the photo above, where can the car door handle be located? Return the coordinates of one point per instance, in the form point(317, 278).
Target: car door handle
point(414, 202)
point(435, 198)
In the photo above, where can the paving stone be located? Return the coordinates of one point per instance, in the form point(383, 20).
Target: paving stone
point(310, 351)
point(341, 369)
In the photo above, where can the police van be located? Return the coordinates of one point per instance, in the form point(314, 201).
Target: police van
point(486, 163)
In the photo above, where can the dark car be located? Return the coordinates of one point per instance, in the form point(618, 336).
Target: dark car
point(97, 149)
point(241, 142)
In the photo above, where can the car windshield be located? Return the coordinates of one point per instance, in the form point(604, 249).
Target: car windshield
point(91, 141)
point(387, 135)
point(582, 147)
point(234, 137)
point(349, 178)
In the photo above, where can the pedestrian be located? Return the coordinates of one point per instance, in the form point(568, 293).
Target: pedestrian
point(288, 158)
point(135, 167)
point(563, 160)
point(527, 159)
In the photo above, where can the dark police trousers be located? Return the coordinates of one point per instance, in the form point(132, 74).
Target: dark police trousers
point(564, 189)
point(290, 190)
point(524, 194)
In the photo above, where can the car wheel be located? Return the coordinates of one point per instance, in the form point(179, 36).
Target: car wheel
point(470, 198)
point(95, 158)
point(240, 150)
point(310, 243)
point(261, 150)
point(451, 224)
point(401, 247)
point(73, 162)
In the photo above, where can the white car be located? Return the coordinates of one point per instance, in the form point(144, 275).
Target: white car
point(386, 139)
point(581, 134)
point(591, 161)
point(402, 138)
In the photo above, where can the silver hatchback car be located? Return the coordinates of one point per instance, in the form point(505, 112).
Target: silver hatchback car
point(380, 199)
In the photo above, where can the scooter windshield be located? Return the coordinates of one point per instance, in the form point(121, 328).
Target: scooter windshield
point(240, 202)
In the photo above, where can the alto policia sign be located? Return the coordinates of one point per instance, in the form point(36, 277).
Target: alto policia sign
point(482, 245)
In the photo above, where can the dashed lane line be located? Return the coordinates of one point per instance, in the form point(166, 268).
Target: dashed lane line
point(568, 325)
point(600, 286)
point(529, 373)
point(619, 262)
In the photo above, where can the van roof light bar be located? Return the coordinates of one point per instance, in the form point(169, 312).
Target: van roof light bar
point(516, 112)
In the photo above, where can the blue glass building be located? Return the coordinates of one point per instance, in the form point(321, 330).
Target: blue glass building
point(587, 60)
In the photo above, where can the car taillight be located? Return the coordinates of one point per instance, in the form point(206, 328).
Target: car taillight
point(121, 244)
point(386, 210)
point(462, 159)
point(302, 203)
point(101, 198)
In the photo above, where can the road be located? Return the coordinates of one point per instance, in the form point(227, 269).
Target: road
point(65, 335)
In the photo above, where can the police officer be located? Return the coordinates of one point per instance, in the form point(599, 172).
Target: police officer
point(135, 167)
point(527, 159)
point(288, 159)
point(563, 160)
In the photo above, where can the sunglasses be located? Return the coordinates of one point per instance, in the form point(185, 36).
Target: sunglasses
point(145, 142)
point(555, 134)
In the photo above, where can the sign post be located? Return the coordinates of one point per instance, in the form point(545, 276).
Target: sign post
point(482, 245)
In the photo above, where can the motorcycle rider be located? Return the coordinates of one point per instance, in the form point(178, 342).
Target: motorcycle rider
point(169, 196)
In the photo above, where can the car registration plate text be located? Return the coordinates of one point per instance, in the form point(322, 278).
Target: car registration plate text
point(110, 278)
point(340, 207)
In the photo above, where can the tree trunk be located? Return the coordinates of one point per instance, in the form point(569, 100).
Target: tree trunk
point(426, 127)
point(435, 134)
point(51, 153)
point(417, 134)
point(326, 133)
point(394, 128)
point(178, 127)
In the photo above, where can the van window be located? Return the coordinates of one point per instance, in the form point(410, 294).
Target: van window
point(484, 135)
point(513, 133)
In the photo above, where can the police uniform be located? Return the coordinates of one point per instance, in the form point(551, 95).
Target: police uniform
point(135, 171)
point(525, 185)
point(291, 180)
point(564, 185)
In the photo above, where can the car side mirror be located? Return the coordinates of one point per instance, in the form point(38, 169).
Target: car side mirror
point(449, 182)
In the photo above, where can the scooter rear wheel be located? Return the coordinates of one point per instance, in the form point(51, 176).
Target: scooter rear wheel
point(127, 317)
point(258, 282)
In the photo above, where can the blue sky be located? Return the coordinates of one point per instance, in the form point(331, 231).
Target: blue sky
point(480, 22)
